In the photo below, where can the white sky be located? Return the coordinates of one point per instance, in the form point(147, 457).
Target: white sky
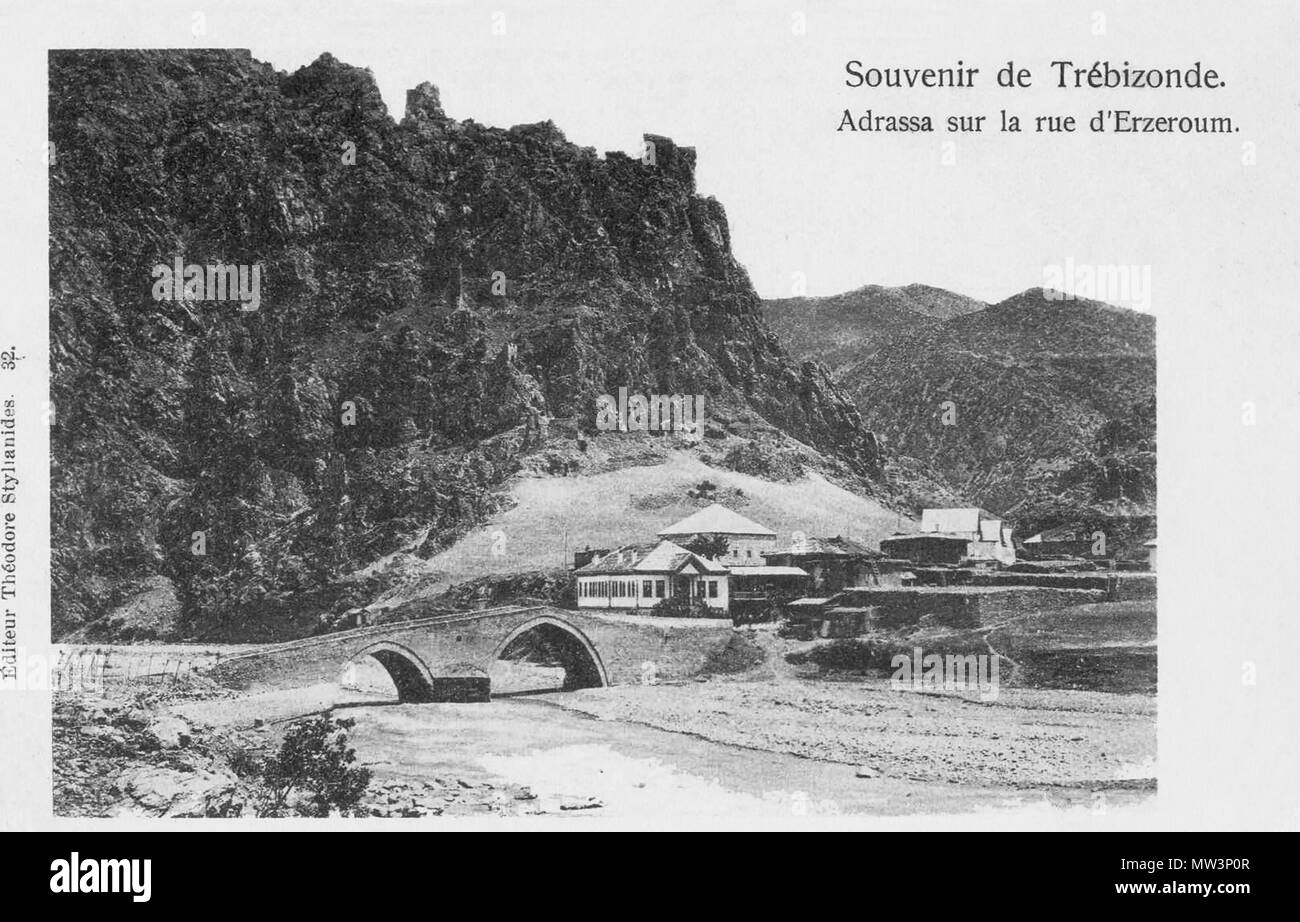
point(761, 104)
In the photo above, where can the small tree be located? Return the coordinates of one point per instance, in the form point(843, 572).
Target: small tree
point(705, 489)
point(710, 547)
point(314, 763)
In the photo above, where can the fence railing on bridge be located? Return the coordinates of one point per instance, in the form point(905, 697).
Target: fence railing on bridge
point(90, 668)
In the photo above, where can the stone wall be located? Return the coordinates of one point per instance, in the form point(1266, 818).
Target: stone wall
point(961, 607)
point(677, 647)
point(1119, 586)
point(1129, 586)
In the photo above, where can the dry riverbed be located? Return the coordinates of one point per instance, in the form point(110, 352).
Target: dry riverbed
point(1024, 739)
point(768, 742)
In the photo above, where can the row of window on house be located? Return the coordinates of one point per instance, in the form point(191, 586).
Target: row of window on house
point(650, 588)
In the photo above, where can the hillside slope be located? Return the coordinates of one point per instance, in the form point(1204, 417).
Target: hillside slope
point(432, 291)
point(545, 519)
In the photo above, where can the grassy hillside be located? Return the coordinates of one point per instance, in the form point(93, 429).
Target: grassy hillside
point(545, 516)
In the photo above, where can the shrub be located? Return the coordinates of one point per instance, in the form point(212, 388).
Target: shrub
point(313, 774)
point(684, 606)
point(739, 655)
point(705, 489)
point(764, 460)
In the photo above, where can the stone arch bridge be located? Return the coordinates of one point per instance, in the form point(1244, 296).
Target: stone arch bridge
point(448, 657)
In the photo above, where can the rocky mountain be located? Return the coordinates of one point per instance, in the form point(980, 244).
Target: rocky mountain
point(1037, 407)
point(842, 328)
point(440, 305)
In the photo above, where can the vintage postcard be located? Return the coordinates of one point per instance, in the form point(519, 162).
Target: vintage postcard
point(651, 416)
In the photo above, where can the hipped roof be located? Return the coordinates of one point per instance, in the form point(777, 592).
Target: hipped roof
point(664, 557)
point(716, 519)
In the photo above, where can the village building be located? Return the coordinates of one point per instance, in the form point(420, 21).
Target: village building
point(836, 563)
point(587, 555)
point(1151, 554)
point(828, 617)
point(1062, 541)
point(747, 542)
point(1117, 534)
point(641, 576)
point(954, 536)
point(754, 590)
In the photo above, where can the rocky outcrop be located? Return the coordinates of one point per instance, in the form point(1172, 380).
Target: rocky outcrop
point(151, 610)
point(428, 287)
point(168, 792)
point(116, 757)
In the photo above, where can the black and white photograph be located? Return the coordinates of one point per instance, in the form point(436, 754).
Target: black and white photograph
point(699, 416)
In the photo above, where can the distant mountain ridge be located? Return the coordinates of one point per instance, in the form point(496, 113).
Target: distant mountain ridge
point(1039, 405)
point(837, 328)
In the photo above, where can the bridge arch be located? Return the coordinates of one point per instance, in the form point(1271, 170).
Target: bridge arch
point(583, 667)
point(411, 677)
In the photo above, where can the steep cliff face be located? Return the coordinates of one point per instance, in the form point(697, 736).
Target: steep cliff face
point(428, 290)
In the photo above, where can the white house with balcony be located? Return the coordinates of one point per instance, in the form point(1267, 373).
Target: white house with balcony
point(640, 576)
